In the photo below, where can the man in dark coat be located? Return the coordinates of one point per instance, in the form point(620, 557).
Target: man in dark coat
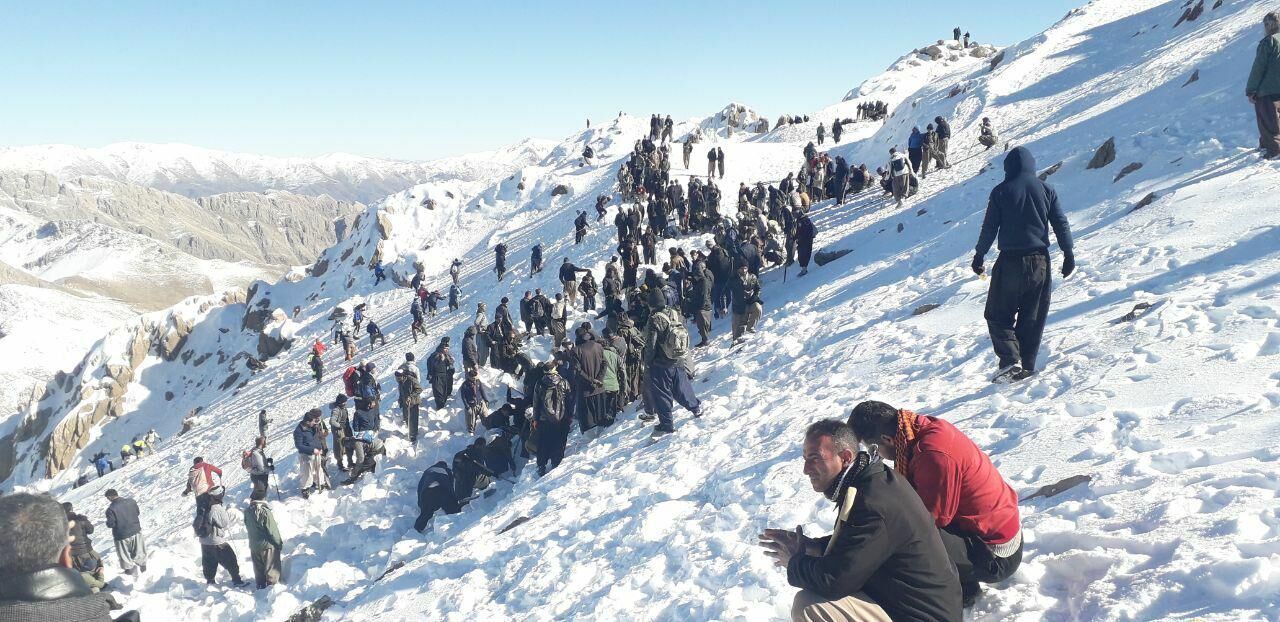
point(747, 305)
point(469, 354)
point(805, 232)
point(883, 561)
point(35, 585)
point(699, 300)
point(526, 311)
point(721, 267)
point(500, 259)
point(1020, 213)
point(1263, 87)
point(435, 492)
point(550, 397)
point(410, 401)
point(126, 529)
point(588, 360)
point(569, 279)
point(440, 373)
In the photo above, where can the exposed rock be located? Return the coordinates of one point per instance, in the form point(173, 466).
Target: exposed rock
point(934, 52)
point(319, 267)
point(1058, 488)
point(559, 190)
point(996, 60)
point(312, 612)
point(168, 396)
point(921, 212)
point(1138, 310)
point(923, 309)
point(1128, 168)
point(1106, 154)
point(1191, 14)
point(230, 381)
point(347, 253)
point(384, 225)
point(1049, 171)
point(271, 345)
point(1195, 76)
point(1147, 200)
point(824, 257)
point(901, 227)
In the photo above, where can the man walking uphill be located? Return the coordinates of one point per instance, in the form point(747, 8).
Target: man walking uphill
point(126, 529)
point(1263, 88)
point(1020, 213)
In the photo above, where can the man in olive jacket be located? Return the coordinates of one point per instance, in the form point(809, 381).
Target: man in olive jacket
point(883, 561)
point(1263, 88)
point(264, 540)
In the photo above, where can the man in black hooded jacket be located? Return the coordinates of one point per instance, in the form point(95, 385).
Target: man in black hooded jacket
point(883, 561)
point(1020, 213)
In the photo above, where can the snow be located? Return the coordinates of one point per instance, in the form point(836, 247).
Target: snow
point(1170, 414)
point(194, 171)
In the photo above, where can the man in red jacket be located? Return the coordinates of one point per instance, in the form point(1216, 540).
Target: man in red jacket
point(974, 508)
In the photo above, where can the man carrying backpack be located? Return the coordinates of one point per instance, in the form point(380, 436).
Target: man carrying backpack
point(257, 464)
point(550, 397)
point(666, 353)
point(211, 529)
point(899, 176)
point(340, 424)
point(201, 477)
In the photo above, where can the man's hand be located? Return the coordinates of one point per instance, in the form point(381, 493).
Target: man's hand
point(1068, 264)
point(977, 266)
point(186, 492)
point(1253, 99)
point(782, 545)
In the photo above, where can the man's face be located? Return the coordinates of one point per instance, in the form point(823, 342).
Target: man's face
point(823, 463)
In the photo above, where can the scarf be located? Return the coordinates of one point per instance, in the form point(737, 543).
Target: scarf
point(860, 463)
point(907, 431)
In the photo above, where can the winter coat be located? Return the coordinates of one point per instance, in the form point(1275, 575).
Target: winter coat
point(589, 362)
point(123, 519)
point(1021, 210)
point(805, 232)
point(569, 272)
point(885, 545)
point(550, 397)
point(750, 257)
point(219, 520)
point(944, 130)
point(526, 309)
point(1264, 78)
point(744, 291)
point(307, 439)
point(916, 140)
point(699, 293)
point(958, 485)
point(470, 353)
point(261, 525)
point(340, 421)
point(410, 390)
point(720, 264)
point(54, 594)
point(473, 393)
point(440, 365)
point(612, 370)
point(372, 328)
point(202, 477)
point(83, 527)
point(364, 421)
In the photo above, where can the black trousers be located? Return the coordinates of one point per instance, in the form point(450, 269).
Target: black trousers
point(974, 562)
point(1267, 109)
point(260, 481)
point(211, 556)
point(1017, 307)
point(411, 412)
point(552, 436)
point(441, 389)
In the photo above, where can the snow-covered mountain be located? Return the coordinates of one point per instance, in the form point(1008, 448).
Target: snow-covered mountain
point(1167, 411)
point(196, 172)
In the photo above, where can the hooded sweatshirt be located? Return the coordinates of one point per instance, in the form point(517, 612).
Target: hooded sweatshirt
point(1021, 210)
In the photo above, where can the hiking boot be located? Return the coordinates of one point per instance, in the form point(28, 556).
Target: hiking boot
point(239, 582)
point(661, 430)
point(1006, 374)
point(1023, 374)
point(803, 271)
point(702, 344)
point(647, 417)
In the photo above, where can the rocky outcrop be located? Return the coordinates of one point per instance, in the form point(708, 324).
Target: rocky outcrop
point(1106, 154)
point(63, 417)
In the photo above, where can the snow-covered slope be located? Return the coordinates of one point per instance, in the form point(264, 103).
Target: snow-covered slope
point(1170, 414)
point(193, 171)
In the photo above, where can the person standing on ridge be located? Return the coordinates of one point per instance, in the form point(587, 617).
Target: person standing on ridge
point(1020, 213)
point(126, 529)
point(1263, 87)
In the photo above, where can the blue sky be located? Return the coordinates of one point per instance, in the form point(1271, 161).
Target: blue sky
point(419, 80)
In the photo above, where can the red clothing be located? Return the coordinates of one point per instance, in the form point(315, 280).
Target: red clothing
point(959, 485)
point(318, 348)
point(201, 478)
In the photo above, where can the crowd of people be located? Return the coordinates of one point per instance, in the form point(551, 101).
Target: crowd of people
point(911, 541)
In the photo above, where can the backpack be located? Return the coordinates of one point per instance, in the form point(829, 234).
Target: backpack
point(349, 379)
point(201, 524)
point(369, 391)
point(899, 166)
point(246, 461)
point(673, 337)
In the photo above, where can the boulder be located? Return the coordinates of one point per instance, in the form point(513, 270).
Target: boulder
point(1195, 76)
point(384, 225)
point(1049, 171)
point(560, 190)
point(923, 309)
point(824, 257)
point(1147, 200)
point(1106, 154)
point(1128, 168)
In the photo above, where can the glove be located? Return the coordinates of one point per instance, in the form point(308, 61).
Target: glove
point(1068, 264)
point(977, 266)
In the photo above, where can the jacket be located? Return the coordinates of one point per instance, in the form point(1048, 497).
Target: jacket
point(81, 530)
point(958, 485)
point(699, 293)
point(1021, 210)
point(260, 523)
point(1264, 77)
point(885, 545)
point(589, 360)
point(550, 396)
point(410, 390)
point(745, 291)
point(339, 421)
point(307, 440)
point(202, 477)
point(257, 462)
point(55, 594)
point(440, 365)
point(365, 420)
point(123, 519)
point(470, 352)
point(219, 521)
point(473, 393)
point(569, 272)
point(612, 370)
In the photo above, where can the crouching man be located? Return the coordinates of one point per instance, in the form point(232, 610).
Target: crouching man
point(975, 510)
point(883, 561)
